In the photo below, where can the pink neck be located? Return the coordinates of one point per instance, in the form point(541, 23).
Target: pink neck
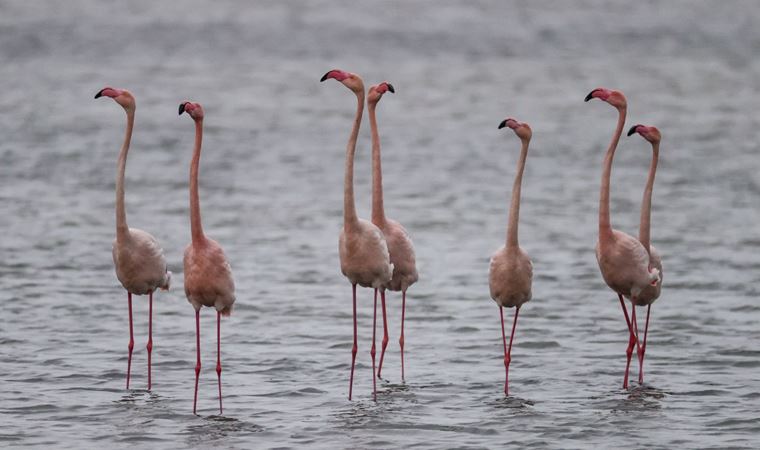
point(514, 208)
point(196, 228)
point(349, 206)
point(378, 211)
point(646, 203)
point(122, 230)
point(605, 228)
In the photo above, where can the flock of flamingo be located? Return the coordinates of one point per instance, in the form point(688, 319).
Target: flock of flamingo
point(379, 253)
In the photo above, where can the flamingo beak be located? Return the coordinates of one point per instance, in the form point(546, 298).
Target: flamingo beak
point(633, 129)
point(390, 88)
point(100, 93)
point(590, 95)
point(182, 108)
point(503, 124)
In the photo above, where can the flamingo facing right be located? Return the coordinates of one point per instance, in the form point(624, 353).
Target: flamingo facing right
point(208, 276)
point(623, 261)
point(400, 244)
point(650, 293)
point(511, 273)
point(137, 256)
point(364, 258)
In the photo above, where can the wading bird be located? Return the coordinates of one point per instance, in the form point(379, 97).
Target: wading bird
point(511, 273)
point(137, 256)
point(208, 276)
point(623, 261)
point(400, 245)
point(363, 251)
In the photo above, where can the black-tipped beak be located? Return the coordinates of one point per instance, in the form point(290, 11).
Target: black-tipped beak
point(390, 88)
point(100, 93)
point(503, 124)
point(633, 129)
point(590, 95)
point(324, 77)
point(181, 108)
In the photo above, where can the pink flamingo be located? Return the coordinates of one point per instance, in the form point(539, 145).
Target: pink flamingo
point(650, 293)
point(399, 243)
point(138, 257)
point(623, 261)
point(208, 276)
point(363, 251)
point(511, 273)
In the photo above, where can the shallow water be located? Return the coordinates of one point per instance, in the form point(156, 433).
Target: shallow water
point(271, 193)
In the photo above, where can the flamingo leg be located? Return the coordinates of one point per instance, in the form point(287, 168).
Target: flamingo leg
point(644, 347)
point(149, 346)
point(401, 339)
point(508, 350)
point(632, 340)
point(372, 350)
point(385, 335)
point(353, 349)
point(636, 332)
point(198, 347)
point(131, 338)
point(219, 356)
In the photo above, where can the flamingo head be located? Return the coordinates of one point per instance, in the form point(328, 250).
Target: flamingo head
point(651, 134)
point(521, 129)
point(121, 96)
point(350, 80)
point(614, 98)
point(194, 110)
point(376, 92)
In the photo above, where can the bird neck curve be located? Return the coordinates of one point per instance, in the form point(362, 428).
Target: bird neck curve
point(514, 207)
point(122, 229)
point(605, 227)
point(350, 217)
point(646, 203)
point(378, 209)
point(196, 228)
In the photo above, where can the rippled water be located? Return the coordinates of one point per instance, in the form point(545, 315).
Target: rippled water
point(271, 190)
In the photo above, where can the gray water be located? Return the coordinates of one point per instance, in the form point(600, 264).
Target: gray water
point(271, 193)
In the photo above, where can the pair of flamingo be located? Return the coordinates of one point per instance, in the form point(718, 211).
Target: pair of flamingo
point(377, 254)
point(139, 260)
point(631, 267)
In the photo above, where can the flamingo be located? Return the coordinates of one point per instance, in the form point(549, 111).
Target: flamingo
point(208, 276)
point(650, 293)
point(137, 256)
point(623, 261)
point(399, 243)
point(511, 272)
point(364, 258)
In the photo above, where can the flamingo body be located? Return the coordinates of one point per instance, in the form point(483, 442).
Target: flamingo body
point(624, 264)
point(140, 264)
point(208, 277)
point(510, 277)
point(401, 251)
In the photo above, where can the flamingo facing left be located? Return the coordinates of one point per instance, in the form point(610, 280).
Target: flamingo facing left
point(510, 276)
point(137, 256)
point(651, 292)
point(208, 276)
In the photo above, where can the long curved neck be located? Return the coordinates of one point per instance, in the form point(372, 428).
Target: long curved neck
point(605, 228)
point(122, 230)
point(378, 211)
point(646, 203)
point(196, 228)
point(349, 205)
point(514, 208)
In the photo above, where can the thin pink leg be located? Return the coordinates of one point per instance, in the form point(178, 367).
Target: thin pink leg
point(372, 351)
point(644, 347)
point(401, 339)
point(353, 349)
point(385, 334)
point(634, 322)
point(508, 358)
point(504, 340)
point(131, 338)
point(198, 347)
point(149, 347)
point(219, 356)
point(631, 342)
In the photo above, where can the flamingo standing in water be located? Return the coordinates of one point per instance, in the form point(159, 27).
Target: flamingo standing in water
point(137, 256)
point(363, 251)
point(650, 293)
point(511, 273)
point(399, 243)
point(623, 261)
point(208, 276)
